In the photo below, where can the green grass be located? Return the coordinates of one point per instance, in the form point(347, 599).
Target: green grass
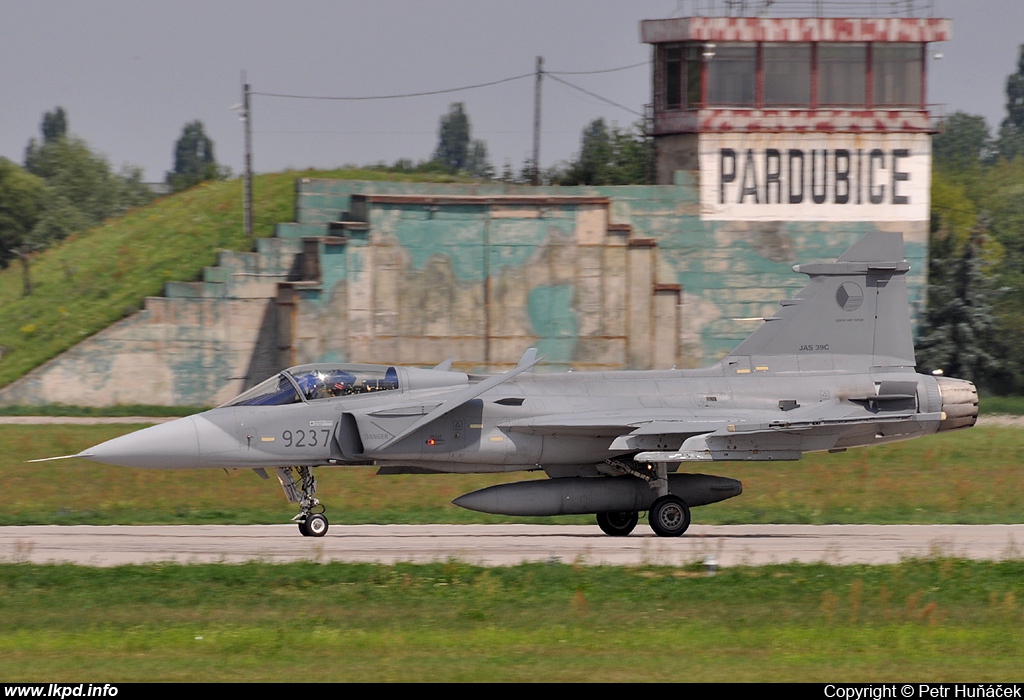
point(102, 275)
point(119, 411)
point(1001, 405)
point(941, 620)
point(969, 476)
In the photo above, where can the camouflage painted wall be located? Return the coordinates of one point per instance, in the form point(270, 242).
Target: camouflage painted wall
point(417, 278)
point(593, 276)
point(194, 346)
point(727, 270)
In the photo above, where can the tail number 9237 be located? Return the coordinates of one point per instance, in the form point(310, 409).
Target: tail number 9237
point(306, 438)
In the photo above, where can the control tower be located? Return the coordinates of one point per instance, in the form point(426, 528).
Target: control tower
point(798, 117)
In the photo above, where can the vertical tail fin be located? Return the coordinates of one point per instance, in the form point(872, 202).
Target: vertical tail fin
point(854, 309)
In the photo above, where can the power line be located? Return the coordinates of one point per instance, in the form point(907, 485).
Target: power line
point(595, 72)
point(456, 89)
point(595, 95)
point(396, 97)
point(538, 75)
point(352, 132)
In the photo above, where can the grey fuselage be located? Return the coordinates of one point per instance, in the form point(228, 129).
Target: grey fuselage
point(833, 368)
point(567, 424)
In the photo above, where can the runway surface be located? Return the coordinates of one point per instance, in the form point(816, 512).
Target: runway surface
point(497, 545)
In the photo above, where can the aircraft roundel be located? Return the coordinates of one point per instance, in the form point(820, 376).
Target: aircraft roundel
point(849, 296)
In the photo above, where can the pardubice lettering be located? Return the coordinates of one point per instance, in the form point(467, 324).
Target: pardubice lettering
point(821, 176)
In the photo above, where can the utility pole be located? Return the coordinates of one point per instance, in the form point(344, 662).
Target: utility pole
point(536, 121)
point(247, 185)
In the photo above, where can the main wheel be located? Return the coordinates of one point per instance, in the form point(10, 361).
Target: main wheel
point(317, 525)
point(303, 530)
point(618, 523)
point(669, 516)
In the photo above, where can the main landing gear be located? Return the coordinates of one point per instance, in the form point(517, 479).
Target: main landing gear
point(669, 515)
point(311, 519)
point(618, 523)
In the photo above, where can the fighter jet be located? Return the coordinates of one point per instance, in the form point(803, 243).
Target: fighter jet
point(834, 368)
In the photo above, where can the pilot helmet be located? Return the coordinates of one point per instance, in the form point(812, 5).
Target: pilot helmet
point(309, 382)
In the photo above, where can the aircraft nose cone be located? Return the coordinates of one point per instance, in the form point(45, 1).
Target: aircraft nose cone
point(173, 445)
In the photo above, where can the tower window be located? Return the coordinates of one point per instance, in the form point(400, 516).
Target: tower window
point(673, 77)
point(842, 74)
point(682, 76)
point(787, 75)
point(801, 75)
point(732, 75)
point(897, 70)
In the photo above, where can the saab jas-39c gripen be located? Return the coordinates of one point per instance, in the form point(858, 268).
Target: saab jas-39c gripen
point(832, 369)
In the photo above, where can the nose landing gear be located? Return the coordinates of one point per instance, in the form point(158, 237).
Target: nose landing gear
point(311, 519)
point(313, 526)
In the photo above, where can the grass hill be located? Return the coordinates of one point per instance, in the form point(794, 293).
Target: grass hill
point(101, 275)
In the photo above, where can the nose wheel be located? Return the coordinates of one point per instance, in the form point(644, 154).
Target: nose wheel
point(311, 519)
point(314, 525)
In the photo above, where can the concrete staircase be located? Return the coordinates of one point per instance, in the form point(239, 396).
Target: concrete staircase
point(394, 277)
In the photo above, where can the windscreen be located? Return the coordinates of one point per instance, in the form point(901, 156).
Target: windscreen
point(276, 391)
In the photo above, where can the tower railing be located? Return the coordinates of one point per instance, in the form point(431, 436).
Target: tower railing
point(808, 8)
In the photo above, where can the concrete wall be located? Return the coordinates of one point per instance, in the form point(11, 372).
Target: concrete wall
point(196, 345)
point(482, 278)
point(726, 270)
point(414, 273)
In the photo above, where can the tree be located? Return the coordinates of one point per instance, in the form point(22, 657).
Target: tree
point(477, 163)
point(963, 144)
point(23, 198)
point(595, 153)
point(83, 190)
point(453, 139)
point(632, 157)
point(960, 334)
point(611, 156)
point(1011, 133)
point(1001, 195)
point(82, 179)
point(953, 211)
point(978, 215)
point(194, 161)
point(55, 125)
point(507, 175)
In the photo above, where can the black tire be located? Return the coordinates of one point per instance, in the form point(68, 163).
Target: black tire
point(303, 530)
point(317, 525)
point(618, 523)
point(669, 516)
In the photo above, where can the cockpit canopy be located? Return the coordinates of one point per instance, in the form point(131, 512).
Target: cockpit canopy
point(324, 381)
point(312, 382)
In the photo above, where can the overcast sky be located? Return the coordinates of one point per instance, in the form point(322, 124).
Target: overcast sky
point(131, 73)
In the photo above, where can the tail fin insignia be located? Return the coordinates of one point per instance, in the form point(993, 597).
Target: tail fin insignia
point(853, 309)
